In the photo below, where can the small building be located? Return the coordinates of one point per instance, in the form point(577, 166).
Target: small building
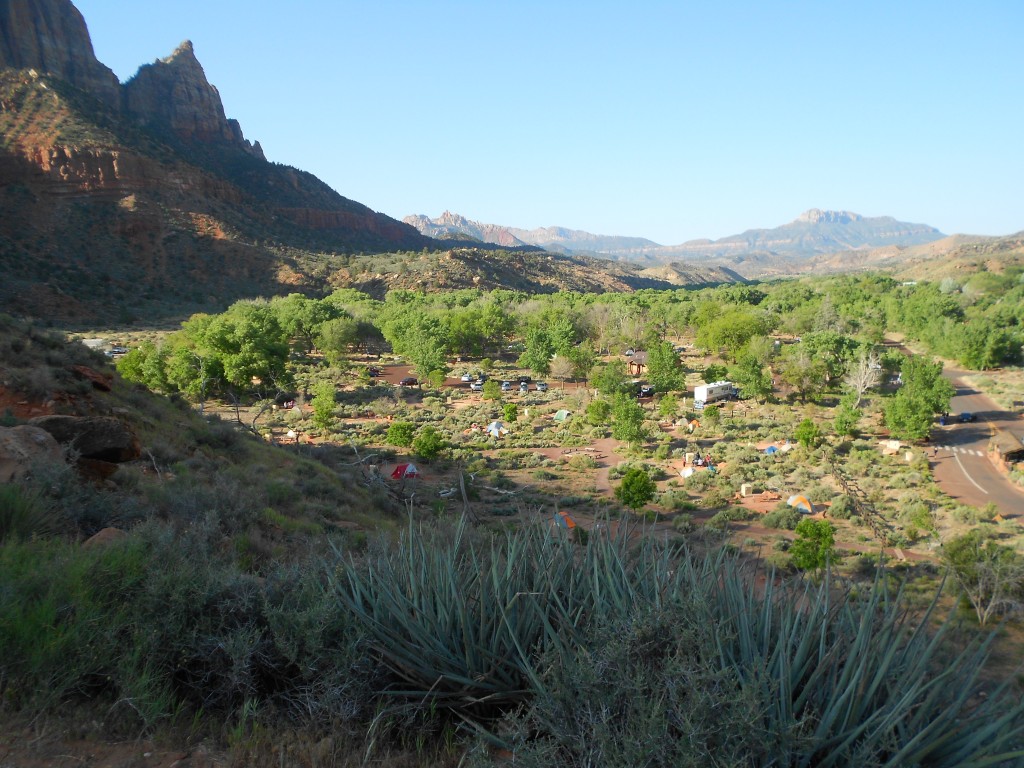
point(637, 363)
point(1008, 444)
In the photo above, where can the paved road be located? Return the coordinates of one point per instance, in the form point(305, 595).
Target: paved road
point(962, 468)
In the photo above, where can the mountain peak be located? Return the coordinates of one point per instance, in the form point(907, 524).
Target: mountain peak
point(51, 36)
point(818, 216)
point(175, 93)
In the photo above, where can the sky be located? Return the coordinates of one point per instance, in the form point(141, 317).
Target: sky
point(666, 120)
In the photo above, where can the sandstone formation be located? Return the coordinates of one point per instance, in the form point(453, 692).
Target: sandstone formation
point(23, 446)
point(51, 36)
point(173, 93)
point(96, 437)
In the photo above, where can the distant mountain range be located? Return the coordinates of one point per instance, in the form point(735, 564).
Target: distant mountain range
point(813, 233)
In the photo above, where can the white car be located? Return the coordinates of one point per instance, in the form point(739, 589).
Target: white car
point(476, 386)
point(467, 377)
point(542, 386)
point(506, 386)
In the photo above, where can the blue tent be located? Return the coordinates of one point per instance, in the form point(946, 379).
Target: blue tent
point(771, 449)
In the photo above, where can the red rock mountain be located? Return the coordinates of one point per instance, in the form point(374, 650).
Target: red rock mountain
point(144, 197)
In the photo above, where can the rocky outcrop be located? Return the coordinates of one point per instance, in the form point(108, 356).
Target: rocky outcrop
point(174, 93)
point(97, 437)
point(51, 36)
point(23, 446)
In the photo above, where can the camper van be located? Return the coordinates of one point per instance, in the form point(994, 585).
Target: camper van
point(710, 393)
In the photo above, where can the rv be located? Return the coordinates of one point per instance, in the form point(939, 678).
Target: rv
point(709, 393)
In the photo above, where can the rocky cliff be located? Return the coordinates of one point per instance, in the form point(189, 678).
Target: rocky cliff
point(51, 36)
point(173, 94)
point(145, 198)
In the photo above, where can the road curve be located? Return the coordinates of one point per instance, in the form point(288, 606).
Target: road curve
point(959, 457)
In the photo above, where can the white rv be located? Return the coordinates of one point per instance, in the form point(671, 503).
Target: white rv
point(710, 393)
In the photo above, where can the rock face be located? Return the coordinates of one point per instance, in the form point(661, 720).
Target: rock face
point(21, 447)
point(51, 36)
point(101, 438)
point(174, 93)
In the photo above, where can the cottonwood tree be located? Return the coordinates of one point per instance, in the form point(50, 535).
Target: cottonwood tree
point(636, 489)
point(664, 369)
point(990, 575)
point(923, 394)
point(628, 420)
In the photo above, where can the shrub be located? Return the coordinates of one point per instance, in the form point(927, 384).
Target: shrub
point(401, 434)
point(783, 516)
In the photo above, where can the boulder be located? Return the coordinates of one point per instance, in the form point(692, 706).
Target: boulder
point(21, 447)
point(94, 437)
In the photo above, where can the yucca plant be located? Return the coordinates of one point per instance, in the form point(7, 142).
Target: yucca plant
point(650, 655)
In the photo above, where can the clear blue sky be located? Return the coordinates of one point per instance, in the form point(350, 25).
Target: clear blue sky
point(666, 120)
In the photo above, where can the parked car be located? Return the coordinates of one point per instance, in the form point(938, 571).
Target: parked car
point(524, 379)
point(542, 386)
point(965, 417)
point(645, 391)
point(408, 381)
point(476, 386)
point(523, 387)
point(506, 386)
point(467, 377)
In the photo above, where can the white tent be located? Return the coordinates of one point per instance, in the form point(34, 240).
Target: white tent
point(496, 429)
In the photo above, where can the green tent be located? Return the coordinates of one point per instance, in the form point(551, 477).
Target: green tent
point(562, 415)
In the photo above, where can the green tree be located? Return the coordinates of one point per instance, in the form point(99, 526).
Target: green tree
point(668, 407)
point(511, 412)
point(715, 372)
point(599, 413)
point(400, 434)
point(539, 349)
point(814, 546)
point(323, 404)
point(807, 433)
point(636, 489)
point(731, 331)
point(847, 419)
point(302, 318)
point(429, 443)
point(923, 394)
point(802, 372)
point(628, 420)
point(751, 377)
point(990, 575)
point(664, 369)
point(336, 336)
point(491, 390)
point(610, 379)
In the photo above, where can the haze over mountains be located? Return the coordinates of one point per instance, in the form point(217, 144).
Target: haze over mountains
point(813, 233)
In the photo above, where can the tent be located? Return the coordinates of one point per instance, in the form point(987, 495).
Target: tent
point(563, 520)
point(496, 429)
point(561, 415)
point(405, 472)
point(771, 449)
point(802, 504)
point(687, 472)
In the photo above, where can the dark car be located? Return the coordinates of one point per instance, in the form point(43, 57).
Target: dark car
point(964, 418)
point(408, 381)
point(524, 379)
point(645, 391)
